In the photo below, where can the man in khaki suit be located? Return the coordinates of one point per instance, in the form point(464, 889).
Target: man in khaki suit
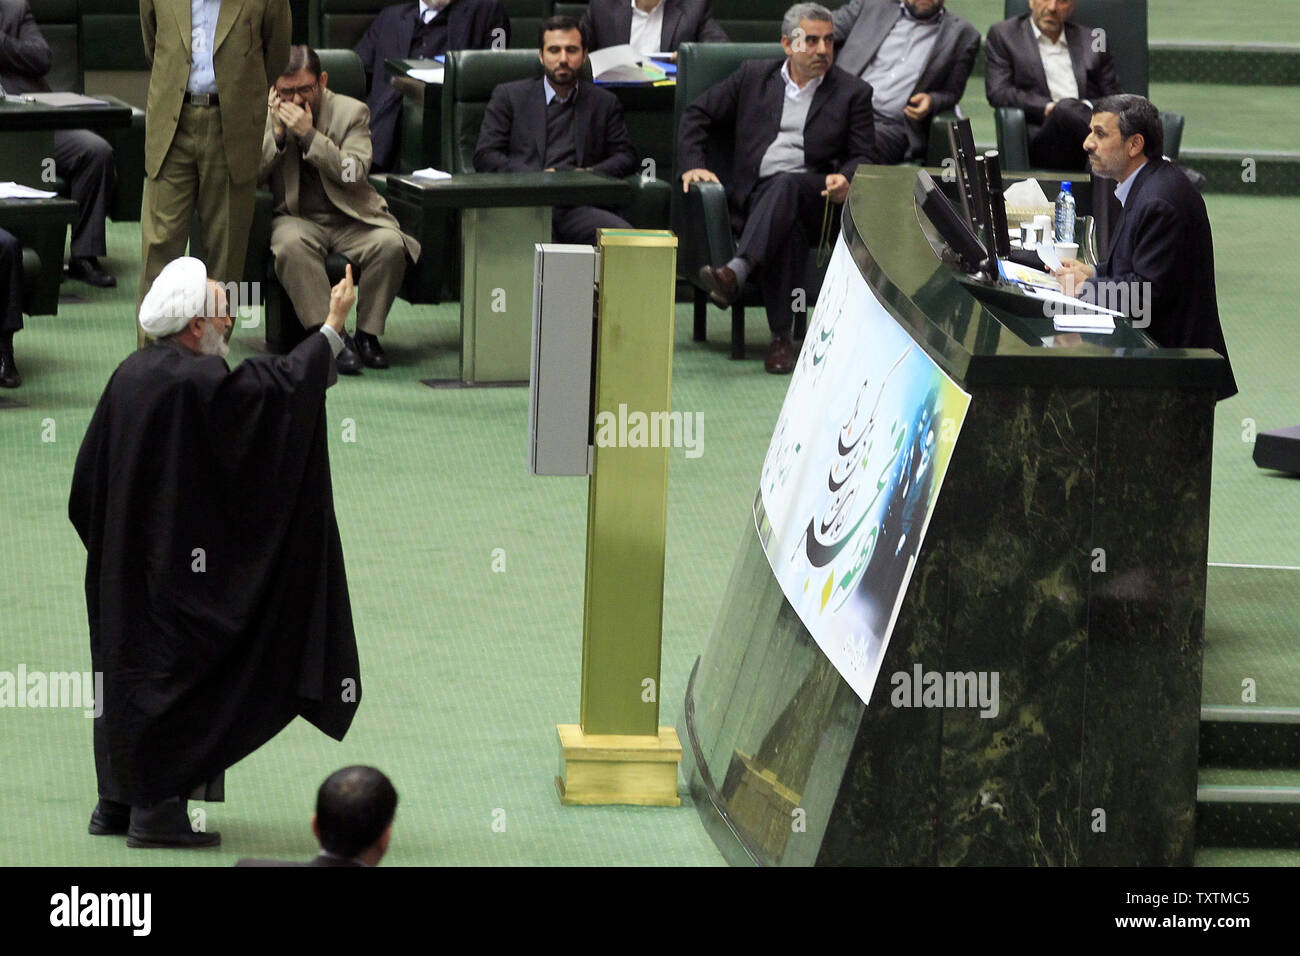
point(316, 154)
point(210, 61)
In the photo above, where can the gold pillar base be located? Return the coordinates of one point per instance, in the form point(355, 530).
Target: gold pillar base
point(598, 769)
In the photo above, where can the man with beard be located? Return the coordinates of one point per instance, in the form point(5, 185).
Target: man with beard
point(1161, 257)
point(916, 56)
point(217, 603)
point(558, 122)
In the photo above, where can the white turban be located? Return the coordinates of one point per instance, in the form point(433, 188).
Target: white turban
point(177, 295)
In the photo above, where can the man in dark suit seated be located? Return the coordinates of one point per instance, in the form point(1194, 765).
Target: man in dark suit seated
point(557, 122)
point(81, 157)
point(915, 56)
point(355, 807)
point(800, 126)
point(420, 31)
point(1160, 268)
point(1050, 67)
point(651, 26)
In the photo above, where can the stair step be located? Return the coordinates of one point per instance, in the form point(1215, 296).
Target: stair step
point(1245, 856)
point(1250, 737)
point(1248, 807)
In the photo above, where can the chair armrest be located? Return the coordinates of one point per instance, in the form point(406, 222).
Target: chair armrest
point(648, 207)
point(707, 223)
point(1013, 137)
point(937, 148)
point(1173, 127)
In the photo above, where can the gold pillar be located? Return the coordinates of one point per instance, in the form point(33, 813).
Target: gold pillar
point(619, 753)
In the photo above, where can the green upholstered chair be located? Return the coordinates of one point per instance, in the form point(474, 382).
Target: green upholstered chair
point(41, 228)
point(92, 34)
point(1125, 24)
point(339, 24)
point(560, 9)
point(526, 18)
point(701, 216)
point(751, 21)
point(471, 77)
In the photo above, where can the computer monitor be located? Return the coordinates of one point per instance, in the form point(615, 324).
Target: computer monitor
point(974, 199)
point(951, 225)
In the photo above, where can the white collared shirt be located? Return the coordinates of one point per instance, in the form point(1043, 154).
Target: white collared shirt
point(551, 94)
point(1062, 84)
point(647, 28)
point(428, 12)
point(793, 90)
point(1122, 190)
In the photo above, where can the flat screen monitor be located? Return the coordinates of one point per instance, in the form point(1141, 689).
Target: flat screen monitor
point(951, 225)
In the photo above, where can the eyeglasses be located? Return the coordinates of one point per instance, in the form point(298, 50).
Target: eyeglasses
point(303, 91)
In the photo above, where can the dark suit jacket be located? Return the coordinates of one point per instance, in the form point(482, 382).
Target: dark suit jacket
point(837, 135)
point(1163, 237)
point(24, 55)
point(512, 138)
point(862, 25)
point(609, 23)
point(1014, 75)
point(469, 27)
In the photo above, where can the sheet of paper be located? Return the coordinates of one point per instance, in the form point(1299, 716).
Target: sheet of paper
point(1015, 272)
point(65, 99)
point(1047, 253)
point(1070, 307)
point(431, 75)
point(11, 190)
point(1083, 323)
point(611, 57)
point(430, 173)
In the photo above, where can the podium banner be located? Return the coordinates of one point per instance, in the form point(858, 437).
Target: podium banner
point(853, 471)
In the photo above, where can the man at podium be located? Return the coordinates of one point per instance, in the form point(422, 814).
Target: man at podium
point(1162, 250)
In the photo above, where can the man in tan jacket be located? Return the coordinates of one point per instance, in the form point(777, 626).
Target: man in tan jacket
point(210, 62)
point(316, 157)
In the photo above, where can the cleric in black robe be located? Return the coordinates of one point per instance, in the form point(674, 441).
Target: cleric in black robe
point(215, 588)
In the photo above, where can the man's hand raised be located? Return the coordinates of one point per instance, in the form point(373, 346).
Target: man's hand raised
point(297, 118)
point(273, 107)
point(697, 176)
point(342, 297)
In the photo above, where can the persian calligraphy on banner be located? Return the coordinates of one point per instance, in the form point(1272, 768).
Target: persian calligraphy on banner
point(853, 471)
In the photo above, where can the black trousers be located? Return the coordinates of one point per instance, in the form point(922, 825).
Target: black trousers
point(85, 160)
point(782, 221)
point(11, 277)
point(892, 143)
point(578, 224)
point(1058, 144)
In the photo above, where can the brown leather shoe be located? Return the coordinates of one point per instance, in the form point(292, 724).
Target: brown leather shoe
point(721, 283)
point(780, 356)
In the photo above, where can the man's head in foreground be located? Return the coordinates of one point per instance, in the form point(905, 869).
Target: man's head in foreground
point(808, 37)
point(1125, 133)
point(183, 304)
point(354, 814)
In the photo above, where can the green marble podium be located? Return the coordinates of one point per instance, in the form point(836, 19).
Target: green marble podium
point(1067, 553)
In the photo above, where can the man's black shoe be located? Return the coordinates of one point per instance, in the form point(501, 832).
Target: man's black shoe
point(165, 826)
point(110, 818)
point(721, 284)
point(348, 361)
point(371, 352)
point(89, 272)
point(9, 377)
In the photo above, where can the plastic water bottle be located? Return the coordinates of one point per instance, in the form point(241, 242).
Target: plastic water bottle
point(1065, 214)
